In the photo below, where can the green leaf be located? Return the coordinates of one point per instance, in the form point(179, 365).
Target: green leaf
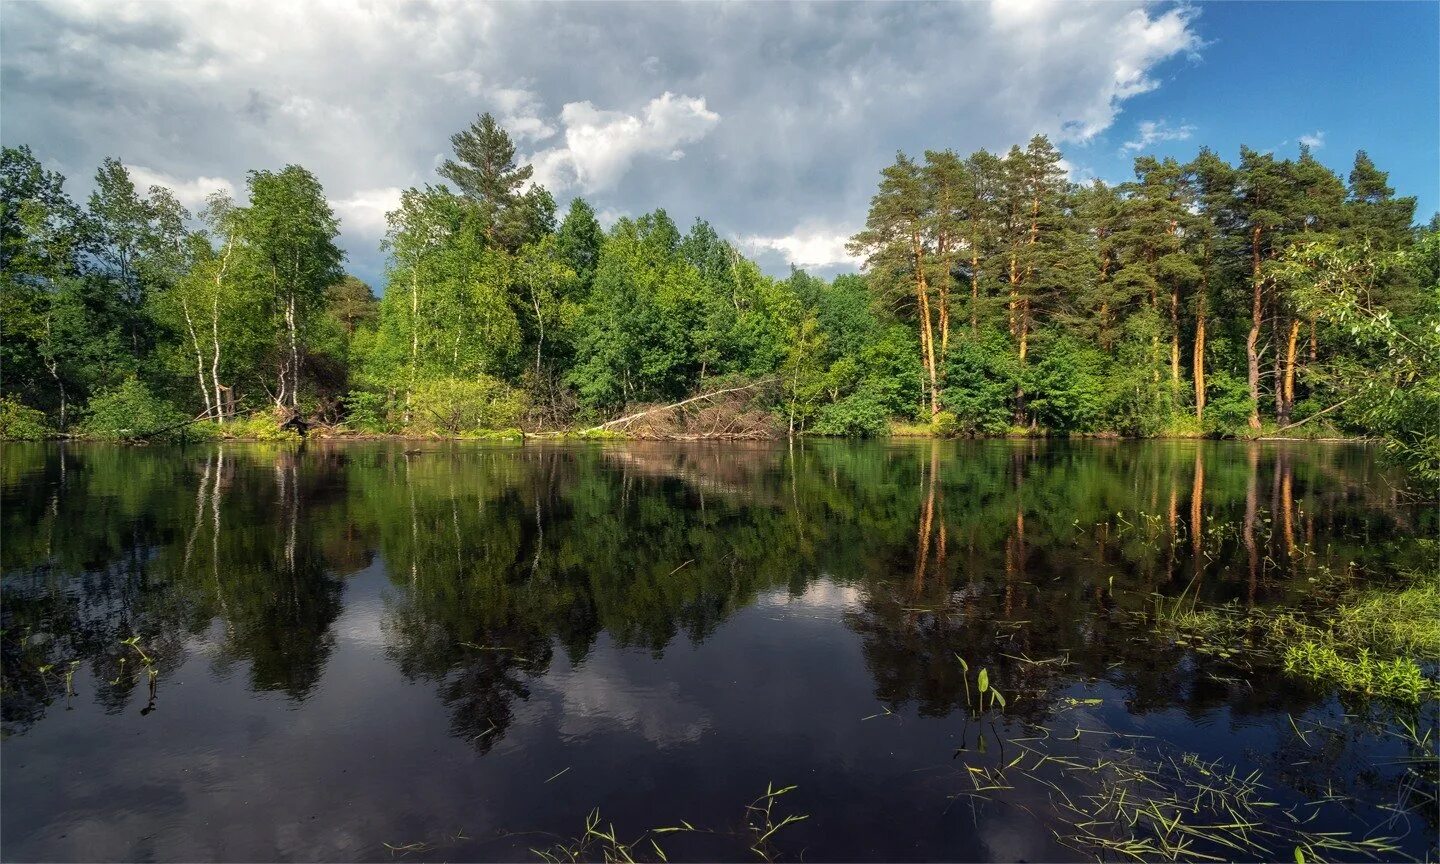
point(984, 680)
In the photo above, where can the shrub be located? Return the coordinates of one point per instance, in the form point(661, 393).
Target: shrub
point(368, 412)
point(20, 422)
point(454, 405)
point(130, 411)
point(862, 414)
point(981, 376)
point(945, 425)
point(1068, 386)
point(1227, 410)
point(261, 426)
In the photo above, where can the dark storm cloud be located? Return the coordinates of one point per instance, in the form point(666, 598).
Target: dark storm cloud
point(771, 120)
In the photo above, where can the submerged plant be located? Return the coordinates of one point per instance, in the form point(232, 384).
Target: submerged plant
point(1370, 643)
point(1395, 678)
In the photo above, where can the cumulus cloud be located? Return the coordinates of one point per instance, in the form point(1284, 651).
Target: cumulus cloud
point(808, 247)
point(1315, 140)
point(190, 192)
point(364, 211)
point(600, 146)
point(1149, 132)
point(786, 127)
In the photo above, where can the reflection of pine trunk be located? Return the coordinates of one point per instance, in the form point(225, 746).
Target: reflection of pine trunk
point(927, 521)
point(1172, 517)
point(1197, 499)
point(1287, 499)
point(201, 499)
point(414, 526)
point(292, 511)
point(1248, 530)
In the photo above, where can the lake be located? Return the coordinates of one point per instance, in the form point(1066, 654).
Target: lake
point(448, 651)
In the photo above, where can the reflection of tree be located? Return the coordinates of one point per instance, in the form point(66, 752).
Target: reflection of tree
point(113, 542)
point(1059, 555)
point(500, 556)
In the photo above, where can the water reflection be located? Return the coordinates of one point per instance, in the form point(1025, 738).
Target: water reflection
point(514, 574)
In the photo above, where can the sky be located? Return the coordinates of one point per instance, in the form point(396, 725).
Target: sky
point(770, 120)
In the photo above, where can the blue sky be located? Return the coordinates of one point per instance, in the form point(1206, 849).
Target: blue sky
point(771, 120)
point(1361, 75)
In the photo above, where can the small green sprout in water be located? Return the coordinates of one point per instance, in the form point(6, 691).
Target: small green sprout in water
point(762, 822)
point(964, 677)
point(134, 642)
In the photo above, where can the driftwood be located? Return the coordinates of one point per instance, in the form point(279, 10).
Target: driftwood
point(716, 422)
point(627, 420)
point(1311, 417)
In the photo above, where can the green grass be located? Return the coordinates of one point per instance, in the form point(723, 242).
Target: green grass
point(1373, 642)
point(1396, 678)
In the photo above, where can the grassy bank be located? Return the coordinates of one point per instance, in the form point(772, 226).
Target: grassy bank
point(1363, 641)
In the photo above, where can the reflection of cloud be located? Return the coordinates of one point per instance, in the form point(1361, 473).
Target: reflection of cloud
point(362, 623)
point(822, 594)
point(599, 693)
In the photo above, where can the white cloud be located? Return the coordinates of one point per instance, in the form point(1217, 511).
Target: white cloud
point(1149, 132)
point(1123, 46)
point(814, 101)
point(600, 145)
point(191, 193)
point(364, 211)
point(1315, 140)
point(808, 247)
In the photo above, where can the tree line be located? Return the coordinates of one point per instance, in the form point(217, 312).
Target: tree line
point(997, 297)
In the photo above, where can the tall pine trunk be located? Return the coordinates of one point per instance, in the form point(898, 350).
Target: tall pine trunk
point(927, 331)
point(974, 293)
point(1252, 339)
point(1287, 403)
point(1197, 360)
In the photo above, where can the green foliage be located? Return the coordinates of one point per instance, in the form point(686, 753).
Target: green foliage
point(1229, 407)
point(945, 425)
point(982, 375)
point(862, 414)
point(1394, 678)
point(368, 412)
point(130, 410)
point(994, 291)
point(260, 426)
point(456, 405)
point(1070, 386)
point(20, 422)
point(1368, 642)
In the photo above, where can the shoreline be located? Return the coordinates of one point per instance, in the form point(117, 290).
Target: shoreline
point(572, 436)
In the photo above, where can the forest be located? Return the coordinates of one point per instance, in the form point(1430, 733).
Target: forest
point(1268, 297)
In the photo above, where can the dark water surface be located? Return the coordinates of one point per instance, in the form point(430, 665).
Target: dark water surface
point(460, 650)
